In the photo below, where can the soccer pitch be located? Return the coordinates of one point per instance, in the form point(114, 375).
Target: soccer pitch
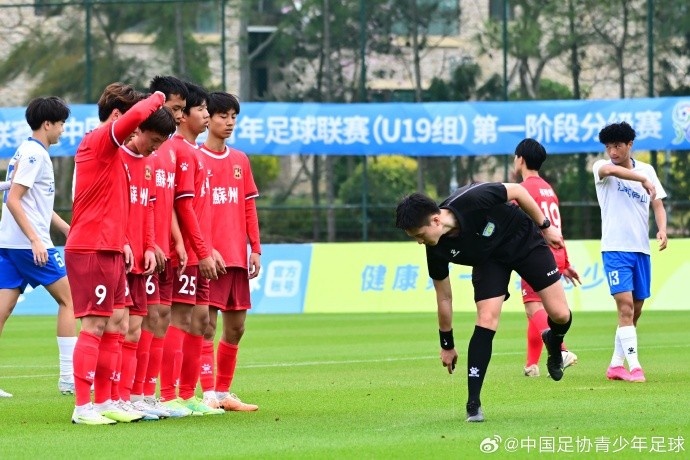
point(372, 386)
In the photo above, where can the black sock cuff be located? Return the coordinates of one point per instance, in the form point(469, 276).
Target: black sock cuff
point(483, 332)
point(560, 329)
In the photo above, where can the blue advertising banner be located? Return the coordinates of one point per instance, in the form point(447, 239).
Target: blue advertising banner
point(392, 277)
point(440, 128)
point(282, 282)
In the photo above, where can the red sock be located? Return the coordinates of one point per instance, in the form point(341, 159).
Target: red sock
point(143, 350)
point(207, 362)
point(129, 365)
point(534, 343)
point(227, 360)
point(191, 362)
point(172, 354)
point(105, 367)
point(115, 386)
point(84, 361)
point(154, 367)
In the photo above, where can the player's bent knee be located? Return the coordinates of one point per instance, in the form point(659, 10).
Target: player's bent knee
point(560, 313)
point(485, 321)
point(560, 317)
point(94, 324)
point(133, 336)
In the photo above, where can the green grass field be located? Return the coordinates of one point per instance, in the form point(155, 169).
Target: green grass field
point(372, 386)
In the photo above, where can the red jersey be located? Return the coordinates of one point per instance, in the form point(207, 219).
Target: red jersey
point(547, 200)
point(101, 204)
point(191, 182)
point(164, 174)
point(141, 198)
point(232, 191)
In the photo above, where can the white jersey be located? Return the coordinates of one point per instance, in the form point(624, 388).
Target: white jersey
point(30, 166)
point(625, 208)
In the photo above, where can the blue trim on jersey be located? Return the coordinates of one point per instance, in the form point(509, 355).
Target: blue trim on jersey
point(38, 142)
point(628, 272)
point(11, 168)
point(18, 270)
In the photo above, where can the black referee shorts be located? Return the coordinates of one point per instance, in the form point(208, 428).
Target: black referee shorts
point(538, 268)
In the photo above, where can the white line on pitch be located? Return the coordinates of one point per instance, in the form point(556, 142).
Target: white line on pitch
point(332, 362)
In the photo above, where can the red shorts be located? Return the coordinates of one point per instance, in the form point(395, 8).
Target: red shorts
point(136, 301)
point(528, 294)
point(97, 282)
point(159, 286)
point(190, 288)
point(231, 290)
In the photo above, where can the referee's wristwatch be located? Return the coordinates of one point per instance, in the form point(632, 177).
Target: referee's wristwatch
point(546, 224)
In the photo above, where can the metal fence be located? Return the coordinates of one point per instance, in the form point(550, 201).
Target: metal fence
point(306, 224)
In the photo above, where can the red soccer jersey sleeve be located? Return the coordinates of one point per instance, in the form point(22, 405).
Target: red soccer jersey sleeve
point(100, 209)
point(546, 198)
point(191, 201)
point(140, 219)
point(164, 160)
point(232, 190)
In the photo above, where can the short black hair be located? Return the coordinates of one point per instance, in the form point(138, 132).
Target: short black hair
point(222, 102)
point(169, 85)
point(118, 95)
point(617, 132)
point(532, 152)
point(162, 122)
point(196, 96)
point(414, 211)
point(42, 109)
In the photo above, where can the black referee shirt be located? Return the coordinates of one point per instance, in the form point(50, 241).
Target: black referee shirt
point(490, 228)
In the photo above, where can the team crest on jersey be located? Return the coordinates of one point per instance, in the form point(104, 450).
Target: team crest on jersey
point(238, 171)
point(147, 172)
point(489, 229)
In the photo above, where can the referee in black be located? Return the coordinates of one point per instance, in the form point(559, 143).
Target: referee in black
point(480, 226)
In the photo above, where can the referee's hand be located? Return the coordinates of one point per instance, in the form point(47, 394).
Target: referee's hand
point(449, 358)
point(553, 237)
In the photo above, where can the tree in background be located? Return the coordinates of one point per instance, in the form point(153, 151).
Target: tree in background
point(173, 27)
point(53, 56)
point(298, 51)
point(58, 48)
point(620, 28)
point(446, 173)
point(536, 39)
point(389, 178)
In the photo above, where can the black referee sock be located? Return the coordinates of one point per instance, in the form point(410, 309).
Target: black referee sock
point(560, 329)
point(478, 357)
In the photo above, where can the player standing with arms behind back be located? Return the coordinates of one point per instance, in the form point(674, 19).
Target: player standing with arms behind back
point(529, 156)
point(235, 222)
point(625, 189)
